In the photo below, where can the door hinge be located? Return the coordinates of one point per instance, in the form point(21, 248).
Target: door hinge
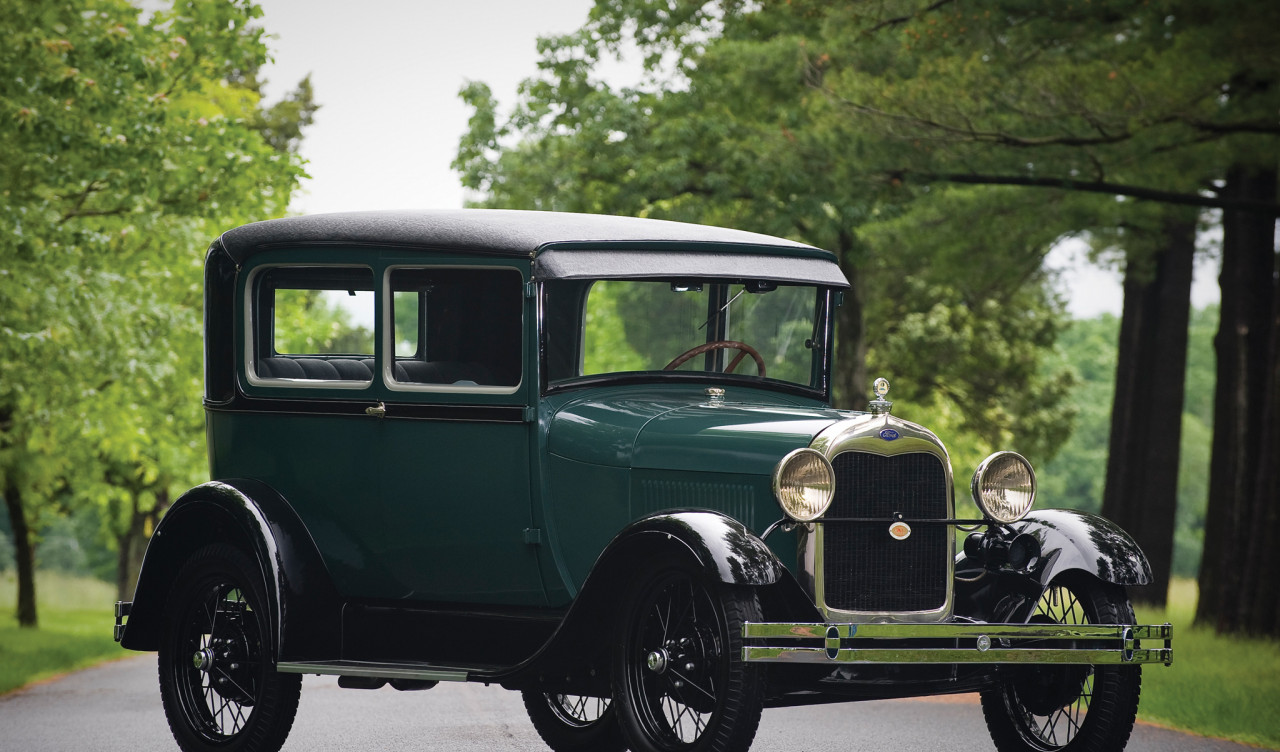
point(530, 414)
point(530, 289)
point(533, 536)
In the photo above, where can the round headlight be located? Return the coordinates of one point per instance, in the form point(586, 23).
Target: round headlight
point(1004, 487)
point(805, 484)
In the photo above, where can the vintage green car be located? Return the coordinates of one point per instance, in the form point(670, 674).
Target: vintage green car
point(593, 459)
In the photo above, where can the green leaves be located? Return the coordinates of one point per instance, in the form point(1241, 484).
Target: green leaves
point(125, 145)
point(740, 122)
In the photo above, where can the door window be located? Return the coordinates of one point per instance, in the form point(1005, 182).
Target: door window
point(314, 324)
point(456, 328)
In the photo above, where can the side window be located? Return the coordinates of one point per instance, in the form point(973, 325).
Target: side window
point(457, 327)
point(314, 324)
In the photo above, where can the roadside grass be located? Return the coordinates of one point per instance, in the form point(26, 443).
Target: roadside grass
point(1217, 686)
point(76, 614)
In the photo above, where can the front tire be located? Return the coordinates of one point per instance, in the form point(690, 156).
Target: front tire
point(218, 683)
point(1068, 708)
point(573, 723)
point(679, 681)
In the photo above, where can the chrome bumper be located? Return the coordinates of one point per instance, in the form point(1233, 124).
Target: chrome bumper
point(957, 643)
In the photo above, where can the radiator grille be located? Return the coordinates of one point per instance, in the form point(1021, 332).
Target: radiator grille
point(864, 569)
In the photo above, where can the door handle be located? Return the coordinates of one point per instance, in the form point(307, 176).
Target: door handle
point(378, 411)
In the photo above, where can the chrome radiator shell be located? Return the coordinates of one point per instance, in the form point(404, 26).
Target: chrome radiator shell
point(893, 466)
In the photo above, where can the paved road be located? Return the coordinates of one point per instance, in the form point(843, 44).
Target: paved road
point(116, 707)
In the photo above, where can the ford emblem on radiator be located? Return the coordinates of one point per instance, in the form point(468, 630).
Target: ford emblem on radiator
point(889, 434)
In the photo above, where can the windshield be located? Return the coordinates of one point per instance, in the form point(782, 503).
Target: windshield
point(753, 330)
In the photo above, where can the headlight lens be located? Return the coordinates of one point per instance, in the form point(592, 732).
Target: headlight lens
point(1004, 487)
point(804, 484)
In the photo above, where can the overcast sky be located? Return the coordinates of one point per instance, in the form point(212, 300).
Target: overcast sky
point(387, 75)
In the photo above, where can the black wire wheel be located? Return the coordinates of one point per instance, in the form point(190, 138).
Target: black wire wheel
point(1071, 708)
point(679, 681)
point(218, 684)
point(573, 723)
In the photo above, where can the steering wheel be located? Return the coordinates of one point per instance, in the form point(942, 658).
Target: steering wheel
point(722, 344)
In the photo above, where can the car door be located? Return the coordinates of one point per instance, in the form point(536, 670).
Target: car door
point(454, 498)
point(384, 400)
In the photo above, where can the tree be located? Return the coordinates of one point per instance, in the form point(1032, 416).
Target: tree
point(1242, 529)
point(1075, 478)
point(1151, 101)
point(732, 136)
point(1114, 98)
point(123, 140)
point(1141, 492)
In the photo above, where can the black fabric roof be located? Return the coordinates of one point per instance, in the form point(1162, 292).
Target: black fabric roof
point(499, 232)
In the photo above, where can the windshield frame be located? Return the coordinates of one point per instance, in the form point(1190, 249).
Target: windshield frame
point(824, 319)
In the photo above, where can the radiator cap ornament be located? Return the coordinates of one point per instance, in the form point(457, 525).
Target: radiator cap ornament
point(880, 405)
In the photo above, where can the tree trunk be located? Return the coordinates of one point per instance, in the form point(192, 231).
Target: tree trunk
point(1233, 592)
point(131, 546)
point(850, 386)
point(1263, 556)
point(1141, 493)
point(125, 544)
point(24, 555)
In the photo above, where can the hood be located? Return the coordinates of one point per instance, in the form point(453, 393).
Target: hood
point(684, 432)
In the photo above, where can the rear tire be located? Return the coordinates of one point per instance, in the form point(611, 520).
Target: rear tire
point(1068, 708)
point(218, 683)
point(573, 723)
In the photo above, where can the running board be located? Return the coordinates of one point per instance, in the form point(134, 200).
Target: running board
point(420, 671)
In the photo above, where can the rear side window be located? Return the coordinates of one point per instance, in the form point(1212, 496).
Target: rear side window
point(314, 324)
point(456, 328)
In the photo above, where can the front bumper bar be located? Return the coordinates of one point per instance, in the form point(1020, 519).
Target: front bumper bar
point(957, 643)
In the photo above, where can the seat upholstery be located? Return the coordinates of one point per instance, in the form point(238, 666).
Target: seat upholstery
point(407, 371)
point(316, 369)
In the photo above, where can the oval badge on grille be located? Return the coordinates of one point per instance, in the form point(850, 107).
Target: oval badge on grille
point(900, 531)
point(889, 434)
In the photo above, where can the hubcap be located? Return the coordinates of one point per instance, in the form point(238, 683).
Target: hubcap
point(203, 659)
point(657, 661)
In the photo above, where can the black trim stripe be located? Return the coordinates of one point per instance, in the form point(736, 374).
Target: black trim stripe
point(356, 408)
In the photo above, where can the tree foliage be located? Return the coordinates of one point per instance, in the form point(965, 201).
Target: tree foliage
point(125, 143)
point(842, 124)
point(727, 129)
point(1120, 97)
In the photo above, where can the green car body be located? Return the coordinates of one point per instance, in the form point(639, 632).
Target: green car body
point(497, 476)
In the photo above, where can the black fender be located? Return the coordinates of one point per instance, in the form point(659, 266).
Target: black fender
point(1070, 539)
point(724, 548)
point(304, 606)
point(577, 656)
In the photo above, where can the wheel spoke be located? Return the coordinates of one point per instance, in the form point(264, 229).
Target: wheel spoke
point(678, 622)
point(688, 682)
point(1046, 731)
point(675, 700)
point(240, 717)
point(235, 684)
point(1059, 727)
